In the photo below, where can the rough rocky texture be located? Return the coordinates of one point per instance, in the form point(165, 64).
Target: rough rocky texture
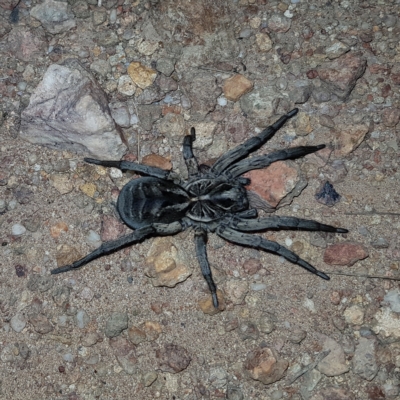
point(69, 111)
point(53, 205)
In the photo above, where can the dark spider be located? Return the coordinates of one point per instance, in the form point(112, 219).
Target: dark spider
point(213, 199)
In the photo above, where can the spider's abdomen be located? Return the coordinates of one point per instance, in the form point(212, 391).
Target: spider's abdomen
point(212, 199)
point(146, 201)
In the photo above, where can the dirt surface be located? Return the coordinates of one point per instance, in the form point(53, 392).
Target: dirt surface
point(105, 331)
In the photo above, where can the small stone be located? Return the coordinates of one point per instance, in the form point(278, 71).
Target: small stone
point(55, 230)
point(147, 47)
point(218, 377)
point(149, 378)
point(264, 42)
point(173, 358)
point(66, 255)
point(236, 86)
point(152, 330)
point(266, 323)
point(40, 323)
point(89, 189)
point(165, 264)
point(354, 315)
point(82, 319)
point(18, 323)
point(391, 116)
point(126, 86)
point(341, 75)
point(155, 160)
point(387, 324)
point(279, 23)
point(334, 363)
point(93, 239)
point(141, 75)
point(393, 298)
point(336, 49)
point(297, 336)
point(275, 182)
point(303, 125)
point(86, 294)
point(166, 66)
point(116, 323)
point(364, 361)
point(263, 365)
point(248, 330)
point(236, 291)
point(204, 134)
point(349, 138)
point(252, 266)
point(41, 283)
point(345, 253)
point(55, 16)
point(136, 335)
point(111, 228)
point(124, 352)
point(62, 183)
point(206, 304)
point(18, 230)
point(327, 195)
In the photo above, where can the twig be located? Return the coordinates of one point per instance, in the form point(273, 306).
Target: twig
point(308, 367)
point(391, 278)
point(372, 212)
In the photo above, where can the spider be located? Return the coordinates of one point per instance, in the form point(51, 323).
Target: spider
point(213, 199)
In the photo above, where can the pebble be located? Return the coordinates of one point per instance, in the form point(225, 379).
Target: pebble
point(115, 324)
point(18, 230)
point(82, 319)
point(18, 323)
point(173, 358)
point(264, 365)
point(393, 298)
point(354, 315)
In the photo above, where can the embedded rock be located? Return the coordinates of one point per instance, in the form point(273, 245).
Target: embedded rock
point(69, 111)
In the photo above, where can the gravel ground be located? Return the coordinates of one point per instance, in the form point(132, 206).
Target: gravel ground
point(138, 324)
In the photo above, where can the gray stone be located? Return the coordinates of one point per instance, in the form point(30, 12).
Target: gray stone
point(116, 323)
point(393, 298)
point(82, 319)
point(69, 111)
point(334, 363)
point(55, 16)
point(18, 322)
point(101, 67)
point(41, 283)
point(364, 360)
point(259, 104)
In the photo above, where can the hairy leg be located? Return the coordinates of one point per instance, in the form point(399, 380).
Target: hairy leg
point(260, 243)
point(251, 144)
point(201, 252)
point(275, 222)
point(188, 156)
point(114, 245)
point(263, 161)
point(132, 166)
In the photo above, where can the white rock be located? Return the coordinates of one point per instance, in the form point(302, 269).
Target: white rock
point(18, 230)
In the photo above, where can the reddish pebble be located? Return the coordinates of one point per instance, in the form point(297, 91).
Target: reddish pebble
point(346, 253)
point(312, 74)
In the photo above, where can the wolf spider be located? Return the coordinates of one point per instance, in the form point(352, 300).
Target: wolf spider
point(213, 199)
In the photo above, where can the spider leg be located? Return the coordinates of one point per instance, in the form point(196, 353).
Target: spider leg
point(188, 156)
point(251, 144)
point(275, 222)
point(114, 245)
point(132, 166)
point(201, 240)
point(267, 159)
point(258, 242)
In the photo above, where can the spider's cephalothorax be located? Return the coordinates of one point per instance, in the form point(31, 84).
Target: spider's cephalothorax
point(211, 200)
